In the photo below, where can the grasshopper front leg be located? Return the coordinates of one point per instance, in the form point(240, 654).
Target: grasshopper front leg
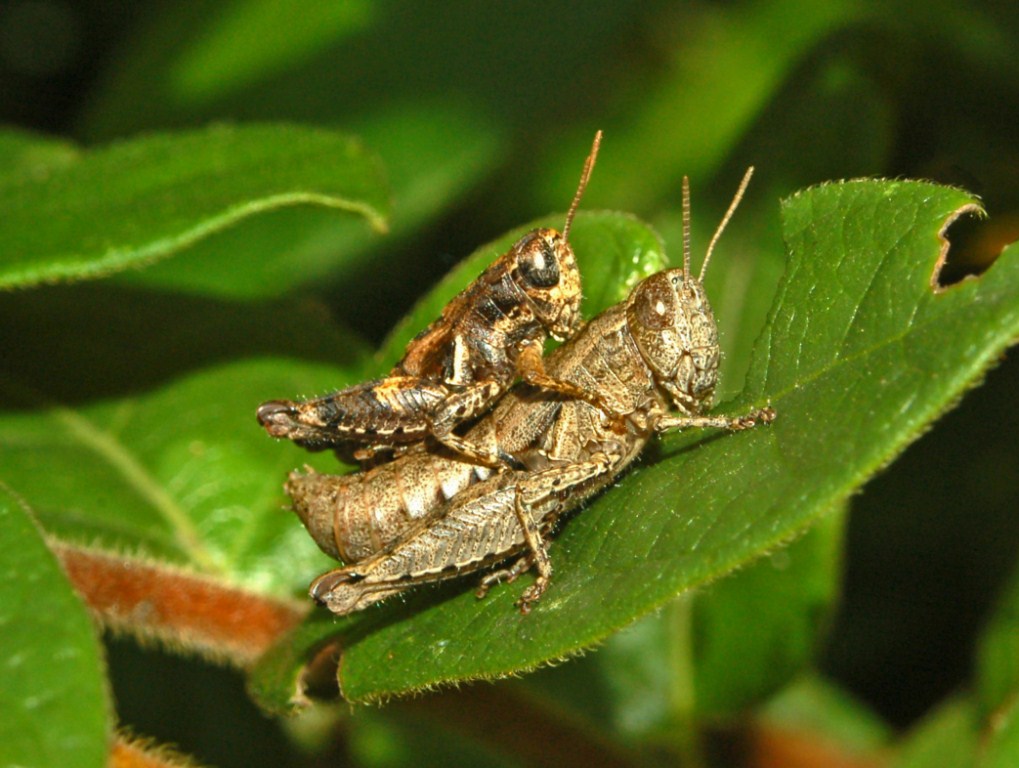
point(531, 368)
point(461, 406)
point(733, 423)
point(472, 400)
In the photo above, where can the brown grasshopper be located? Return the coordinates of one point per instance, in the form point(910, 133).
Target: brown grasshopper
point(456, 368)
point(653, 353)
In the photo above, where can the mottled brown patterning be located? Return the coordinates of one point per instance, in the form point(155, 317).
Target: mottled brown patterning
point(456, 368)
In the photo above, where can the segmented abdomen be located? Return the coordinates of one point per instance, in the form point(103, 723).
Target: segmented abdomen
point(352, 517)
point(397, 407)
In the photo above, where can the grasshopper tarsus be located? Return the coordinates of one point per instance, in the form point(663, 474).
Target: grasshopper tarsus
point(489, 581)
point(531, 595)
point(753, 418)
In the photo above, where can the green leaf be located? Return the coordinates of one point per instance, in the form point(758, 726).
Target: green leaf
point(752, 49)
point(769, 616)
point(52, 685)
point(435, 143)
point(133, 203)
point(673, 668)
point(1002, 746)
point(27, 155)
point(859, 355)
point(998, 654)
point(813, 705)
point(947, 738)
point(281, 679)
point(346, 62)
point(390, 740)
point(308, 246)
point(144, 439)
point(223, 60)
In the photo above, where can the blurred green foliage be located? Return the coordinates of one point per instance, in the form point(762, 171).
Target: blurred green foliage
point(479, 115)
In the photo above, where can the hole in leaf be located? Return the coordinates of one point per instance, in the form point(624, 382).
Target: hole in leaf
point(971, 244)
point(318, 681)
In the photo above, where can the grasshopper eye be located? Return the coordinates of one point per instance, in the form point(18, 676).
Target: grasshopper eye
point(539, 266)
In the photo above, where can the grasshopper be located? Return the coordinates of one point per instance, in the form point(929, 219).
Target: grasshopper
point(456, 368)
point(653, 362)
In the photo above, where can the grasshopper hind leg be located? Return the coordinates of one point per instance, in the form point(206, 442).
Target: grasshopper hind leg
point(344, 591)
point(538, 554)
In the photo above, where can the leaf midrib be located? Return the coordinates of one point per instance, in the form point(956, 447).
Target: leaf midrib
point(116, 454)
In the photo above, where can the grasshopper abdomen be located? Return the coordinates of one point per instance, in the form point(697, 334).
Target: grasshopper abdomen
point(352, 517)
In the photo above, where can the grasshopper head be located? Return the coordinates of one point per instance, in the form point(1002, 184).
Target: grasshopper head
point(670, 318)
point(546, 271)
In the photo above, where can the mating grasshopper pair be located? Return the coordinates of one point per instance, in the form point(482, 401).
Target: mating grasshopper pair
point(643, 366)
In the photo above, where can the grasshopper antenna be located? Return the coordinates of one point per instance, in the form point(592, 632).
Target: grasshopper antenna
point(584, 176)
point(725, 219)
point(686, 228)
